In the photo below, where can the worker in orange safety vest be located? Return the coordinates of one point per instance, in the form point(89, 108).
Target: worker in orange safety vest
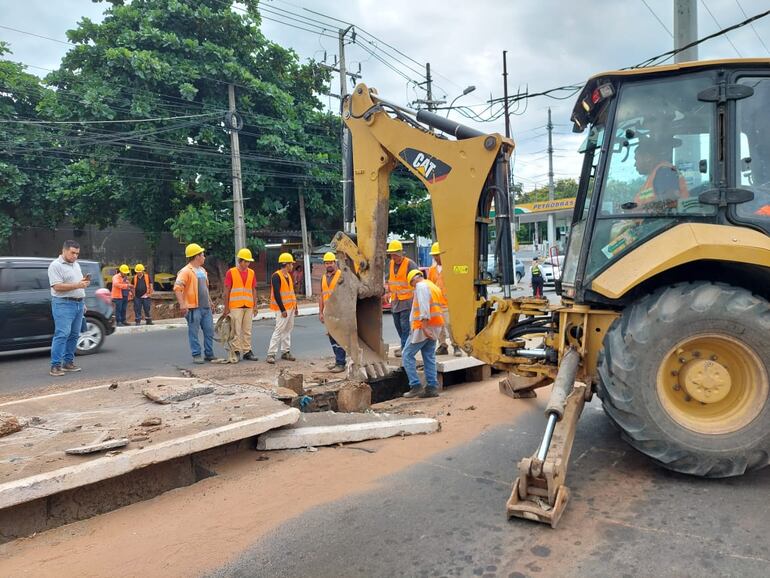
point(436, 275)
point(328, 282)
point(399, 290)
point(121, 291)
point(283, 301)
point(426, 320)
point(240, 300)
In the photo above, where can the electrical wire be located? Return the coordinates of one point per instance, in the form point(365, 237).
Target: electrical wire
point(762, 42)
point(706, 6)
point(657, 18)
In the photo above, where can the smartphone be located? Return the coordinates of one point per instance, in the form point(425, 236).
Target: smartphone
point(87, 276)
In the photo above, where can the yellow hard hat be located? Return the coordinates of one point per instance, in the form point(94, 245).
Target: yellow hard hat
point(124, 269)
point(245, 254)
point(412, 274)
point(193, 249)
point(285, 258)
point(434, 249)
point(395, 246)
point(329, 257)
point(139, 268)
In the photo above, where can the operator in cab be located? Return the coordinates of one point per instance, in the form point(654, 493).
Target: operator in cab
point(664, 186)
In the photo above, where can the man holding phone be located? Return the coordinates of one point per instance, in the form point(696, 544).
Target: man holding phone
point(68, 291)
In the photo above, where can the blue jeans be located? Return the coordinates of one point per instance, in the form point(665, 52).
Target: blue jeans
point(401, 321)
point(67, 319)
point(339, 352)
point(427, 349)
point(200, 318)
point(121, 305)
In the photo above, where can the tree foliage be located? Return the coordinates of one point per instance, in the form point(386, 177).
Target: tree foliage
point(563, 189)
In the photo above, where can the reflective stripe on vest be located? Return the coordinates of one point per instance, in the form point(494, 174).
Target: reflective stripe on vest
point(436, 276)
point(536, 271)
point(436, 314)
point(288, 297)
point(327, 288)
point(241, 295)
point(647, 194)
point(399, 288)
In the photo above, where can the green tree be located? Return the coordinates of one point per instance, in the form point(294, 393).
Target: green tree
point(25, 165)
point(173, 60)
point(563, 189)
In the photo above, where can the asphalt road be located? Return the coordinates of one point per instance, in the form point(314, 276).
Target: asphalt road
point(127, 356)
point(446, 517)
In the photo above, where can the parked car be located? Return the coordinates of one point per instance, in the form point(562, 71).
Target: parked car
point(492, 271)
point(25, 306)
point(551, 271)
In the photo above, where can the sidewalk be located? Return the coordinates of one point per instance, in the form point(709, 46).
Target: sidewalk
point(179, 322)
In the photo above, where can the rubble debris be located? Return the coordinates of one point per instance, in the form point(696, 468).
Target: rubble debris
point(174, 392)
point(292, 381)
point(151, 421)
point(284, 394)
point(71, 429)
point(354, 397)
point(99, 447)
point(138, 438)
point(9, 424)
point(113, 385)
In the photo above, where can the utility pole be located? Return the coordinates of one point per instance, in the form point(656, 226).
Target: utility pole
point(685, 29)
point(305, 246)
point(347, 152)
point(551, 224)
point(235, 152)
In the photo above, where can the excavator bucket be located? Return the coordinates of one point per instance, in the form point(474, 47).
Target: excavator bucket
point(355, 322)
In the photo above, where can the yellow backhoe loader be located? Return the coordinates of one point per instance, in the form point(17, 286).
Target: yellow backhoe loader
point(665, 289)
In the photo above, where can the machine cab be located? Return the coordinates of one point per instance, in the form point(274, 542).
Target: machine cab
point(666, 146)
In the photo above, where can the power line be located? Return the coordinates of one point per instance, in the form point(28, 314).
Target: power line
point(738, 52)
point(134, 120)
point(752, 27)
point(657, 18)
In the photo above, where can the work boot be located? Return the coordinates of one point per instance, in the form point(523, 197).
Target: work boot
point(337, 369)
point(397, 352)
point(457, 351)
point(429, 392)
point(148, 321)
point(270, 359)
point(56, 371)
point(288, 356)
point(331, 365)
point(414, 392)
point(199, 360)
point(250, 356)
point(138, 322)
point(442, 349)
point(209, 358)
point(70, 367)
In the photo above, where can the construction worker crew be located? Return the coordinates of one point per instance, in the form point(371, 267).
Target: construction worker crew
point(68, 286)
point(328, 282)
point(284, 302)
point(435, 275)
point(121, 289)
point(425, 320)
point(537, 278)
point(142, 289)
point(192, 293)
point(240, 300)
point(401, 292)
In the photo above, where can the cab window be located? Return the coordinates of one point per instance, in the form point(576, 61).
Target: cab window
point(753, 163)
point(660, 160)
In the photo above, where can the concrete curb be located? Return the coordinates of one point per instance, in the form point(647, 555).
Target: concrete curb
point(182, 324)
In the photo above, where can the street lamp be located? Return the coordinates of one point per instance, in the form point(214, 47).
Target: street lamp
point(468, 90)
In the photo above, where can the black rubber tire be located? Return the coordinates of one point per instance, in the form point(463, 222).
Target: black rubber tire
point(635, 346)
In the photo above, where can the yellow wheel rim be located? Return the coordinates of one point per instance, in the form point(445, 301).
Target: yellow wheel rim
point(712, 384)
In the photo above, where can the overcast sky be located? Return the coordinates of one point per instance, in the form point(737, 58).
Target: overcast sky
point(549, 42)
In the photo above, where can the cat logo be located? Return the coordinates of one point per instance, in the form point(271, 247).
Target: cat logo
point(429, 168)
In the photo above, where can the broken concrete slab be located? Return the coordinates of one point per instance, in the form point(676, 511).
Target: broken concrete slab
point(97, 447)
point(171, 392)
point(9, 424)
point(323, 429)
point(33, 463)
